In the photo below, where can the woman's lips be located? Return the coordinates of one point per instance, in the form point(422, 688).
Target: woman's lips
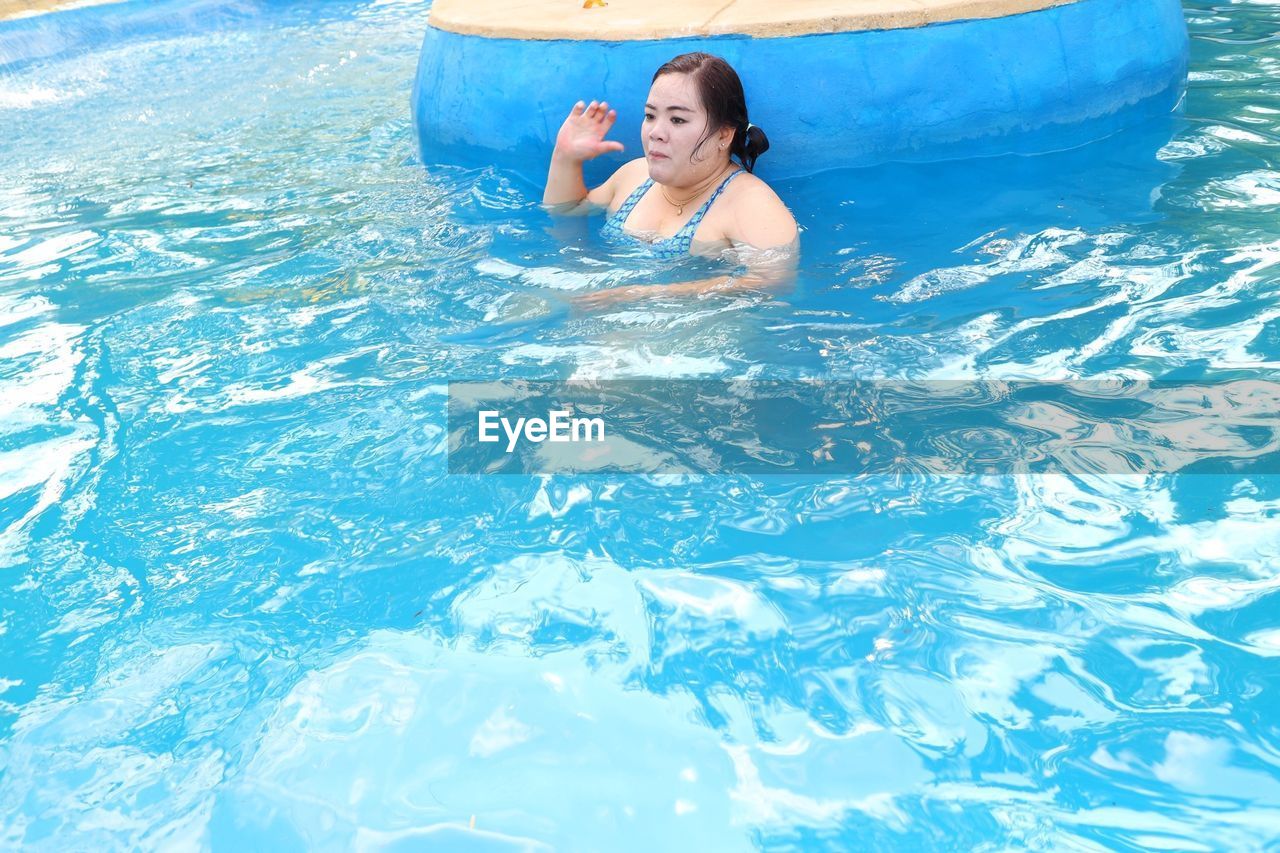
point(655, 155)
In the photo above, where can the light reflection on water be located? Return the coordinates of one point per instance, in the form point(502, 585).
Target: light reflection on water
point(240, 598)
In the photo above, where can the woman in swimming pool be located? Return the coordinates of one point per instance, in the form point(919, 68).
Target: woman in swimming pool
point(686, 194)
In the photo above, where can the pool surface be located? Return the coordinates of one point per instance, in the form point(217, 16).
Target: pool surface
point(244, 606)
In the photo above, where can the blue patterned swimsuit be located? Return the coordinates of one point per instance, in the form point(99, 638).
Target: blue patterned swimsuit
point(678, 244)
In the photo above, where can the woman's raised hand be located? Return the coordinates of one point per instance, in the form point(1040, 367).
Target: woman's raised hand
point(581, 137)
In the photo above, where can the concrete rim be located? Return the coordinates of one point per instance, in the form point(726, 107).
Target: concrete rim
point(28, 8)
point(641, 20)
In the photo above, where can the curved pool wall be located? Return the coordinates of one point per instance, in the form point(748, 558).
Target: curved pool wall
point(1025, 83)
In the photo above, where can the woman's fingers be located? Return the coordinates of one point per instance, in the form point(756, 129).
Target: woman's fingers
point(597, 116)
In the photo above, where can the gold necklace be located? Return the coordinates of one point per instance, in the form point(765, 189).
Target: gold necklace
point(679, 205)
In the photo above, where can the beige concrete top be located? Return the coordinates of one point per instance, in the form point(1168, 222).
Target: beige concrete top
point(26, 8)
point(635, 20)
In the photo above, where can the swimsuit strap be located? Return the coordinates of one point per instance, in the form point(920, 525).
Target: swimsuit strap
point(677, 244)
point(692, 224)
point(619, 217)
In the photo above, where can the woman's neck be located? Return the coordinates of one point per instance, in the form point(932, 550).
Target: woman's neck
point(700, 185)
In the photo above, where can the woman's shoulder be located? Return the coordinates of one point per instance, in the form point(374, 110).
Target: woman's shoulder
point(638, 166)
point(748, 186)
point(624, 180)
point(758, 215)
point(631, 175)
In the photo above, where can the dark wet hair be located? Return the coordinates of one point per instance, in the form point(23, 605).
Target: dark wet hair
point(725, 103)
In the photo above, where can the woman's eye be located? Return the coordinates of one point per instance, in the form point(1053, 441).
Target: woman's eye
point(648, 116)
point(677, 120)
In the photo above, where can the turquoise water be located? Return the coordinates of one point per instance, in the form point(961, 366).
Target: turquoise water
point(242, 605)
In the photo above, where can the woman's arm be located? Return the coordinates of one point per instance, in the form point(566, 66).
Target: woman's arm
point(760, 220)
point(770, 271)
point(581, 138)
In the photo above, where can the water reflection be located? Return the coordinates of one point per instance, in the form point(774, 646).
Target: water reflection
point(232, 554)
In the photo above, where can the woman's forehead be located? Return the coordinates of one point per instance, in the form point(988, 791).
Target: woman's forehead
point(674, 90)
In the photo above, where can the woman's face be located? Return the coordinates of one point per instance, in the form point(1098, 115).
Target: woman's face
point(674, 121)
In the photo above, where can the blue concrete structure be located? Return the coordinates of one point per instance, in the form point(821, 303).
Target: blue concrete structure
point(1037, 81)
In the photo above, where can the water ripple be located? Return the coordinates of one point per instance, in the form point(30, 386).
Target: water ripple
point(243, 602)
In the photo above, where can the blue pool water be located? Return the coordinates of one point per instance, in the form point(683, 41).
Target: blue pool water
point(242, 605)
